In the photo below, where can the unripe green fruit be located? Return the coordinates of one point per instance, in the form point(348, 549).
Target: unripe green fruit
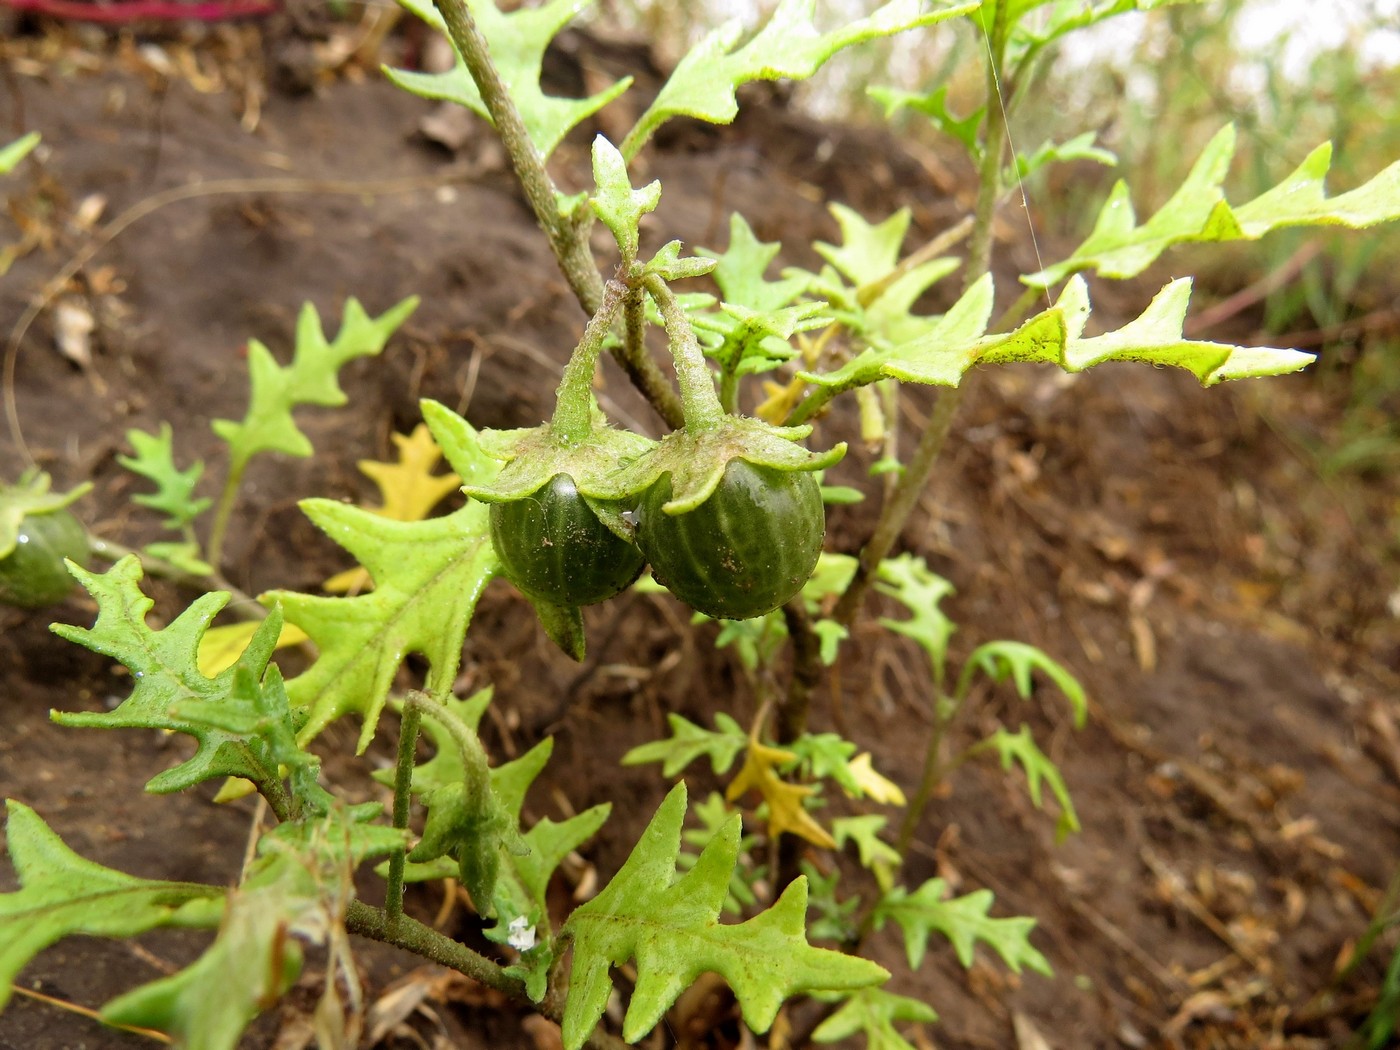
point(743, 552)
point(33, 574)
point(553, 547)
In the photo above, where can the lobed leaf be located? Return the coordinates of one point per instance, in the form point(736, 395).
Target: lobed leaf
point(871, 1012)
point(408, 491)
point(963, 920)
point(713, 814)
point(910, 581)
point(517, 41)
point(1119, 247)
point(1019, 661)
point(670, 927)
point(789, 46)
point(165, 675)
point(1055, 336)
point(61, 894)
point(864, 831)
point(310, 379)
point(688, 742)
point(787, 811)
point(428, 576)
point(155, 460)
point(1021, 747)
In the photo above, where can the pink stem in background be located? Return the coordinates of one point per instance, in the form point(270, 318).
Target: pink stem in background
point(144, 10)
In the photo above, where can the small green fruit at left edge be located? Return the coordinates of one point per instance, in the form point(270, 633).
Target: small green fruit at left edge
point(33, 574)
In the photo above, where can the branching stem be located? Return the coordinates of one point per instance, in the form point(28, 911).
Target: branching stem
point(567, 239)
point(411, 935)
point(703, 410)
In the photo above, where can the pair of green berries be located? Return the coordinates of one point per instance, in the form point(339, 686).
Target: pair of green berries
point(743, 552)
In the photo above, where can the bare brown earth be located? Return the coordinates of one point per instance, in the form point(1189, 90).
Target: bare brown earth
point(1239, 780)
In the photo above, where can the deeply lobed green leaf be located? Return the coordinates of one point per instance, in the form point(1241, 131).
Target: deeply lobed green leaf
point(310, 379)
point(963, 920)
point(517, 41)
point(1021, 747)
point(871, 1012)
point(789, 46)
point(155, 460)
point(670, 927)
point(1018, 661)
point(1120, 247)
point(1055, 336)
point(166, 677)
point(688, 742)
point(428, 577)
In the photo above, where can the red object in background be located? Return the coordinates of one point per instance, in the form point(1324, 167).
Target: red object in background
point(120, 11)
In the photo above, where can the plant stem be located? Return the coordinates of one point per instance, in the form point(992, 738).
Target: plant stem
point(475, 765)
point(245, 604)
point(277, 800)
point(403, 785)
point(806, 671)
point(979, 251)
point(567, 239)
point(894, 514)
point(932, 773)
point(703, 410)
point(573, 406)
point(411, 935)
point(214, 552)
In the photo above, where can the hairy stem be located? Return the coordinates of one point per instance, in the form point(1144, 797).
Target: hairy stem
point(567, 239)
point(641, 369)
point(411, 935)
point(703, 410)
point(573, 407)
point(403, 785)
point(475, 764)
point(979, 252)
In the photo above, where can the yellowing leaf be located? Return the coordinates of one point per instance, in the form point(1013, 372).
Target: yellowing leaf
point(878, 787)
point(409, 487)
point(785, 809)
point(409, 490)
point(221, 647)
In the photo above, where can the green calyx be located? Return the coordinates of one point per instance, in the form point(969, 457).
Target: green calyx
point(577, 441)
point(696, 461)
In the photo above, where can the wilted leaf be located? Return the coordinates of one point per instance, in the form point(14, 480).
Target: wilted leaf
point(62, 894)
